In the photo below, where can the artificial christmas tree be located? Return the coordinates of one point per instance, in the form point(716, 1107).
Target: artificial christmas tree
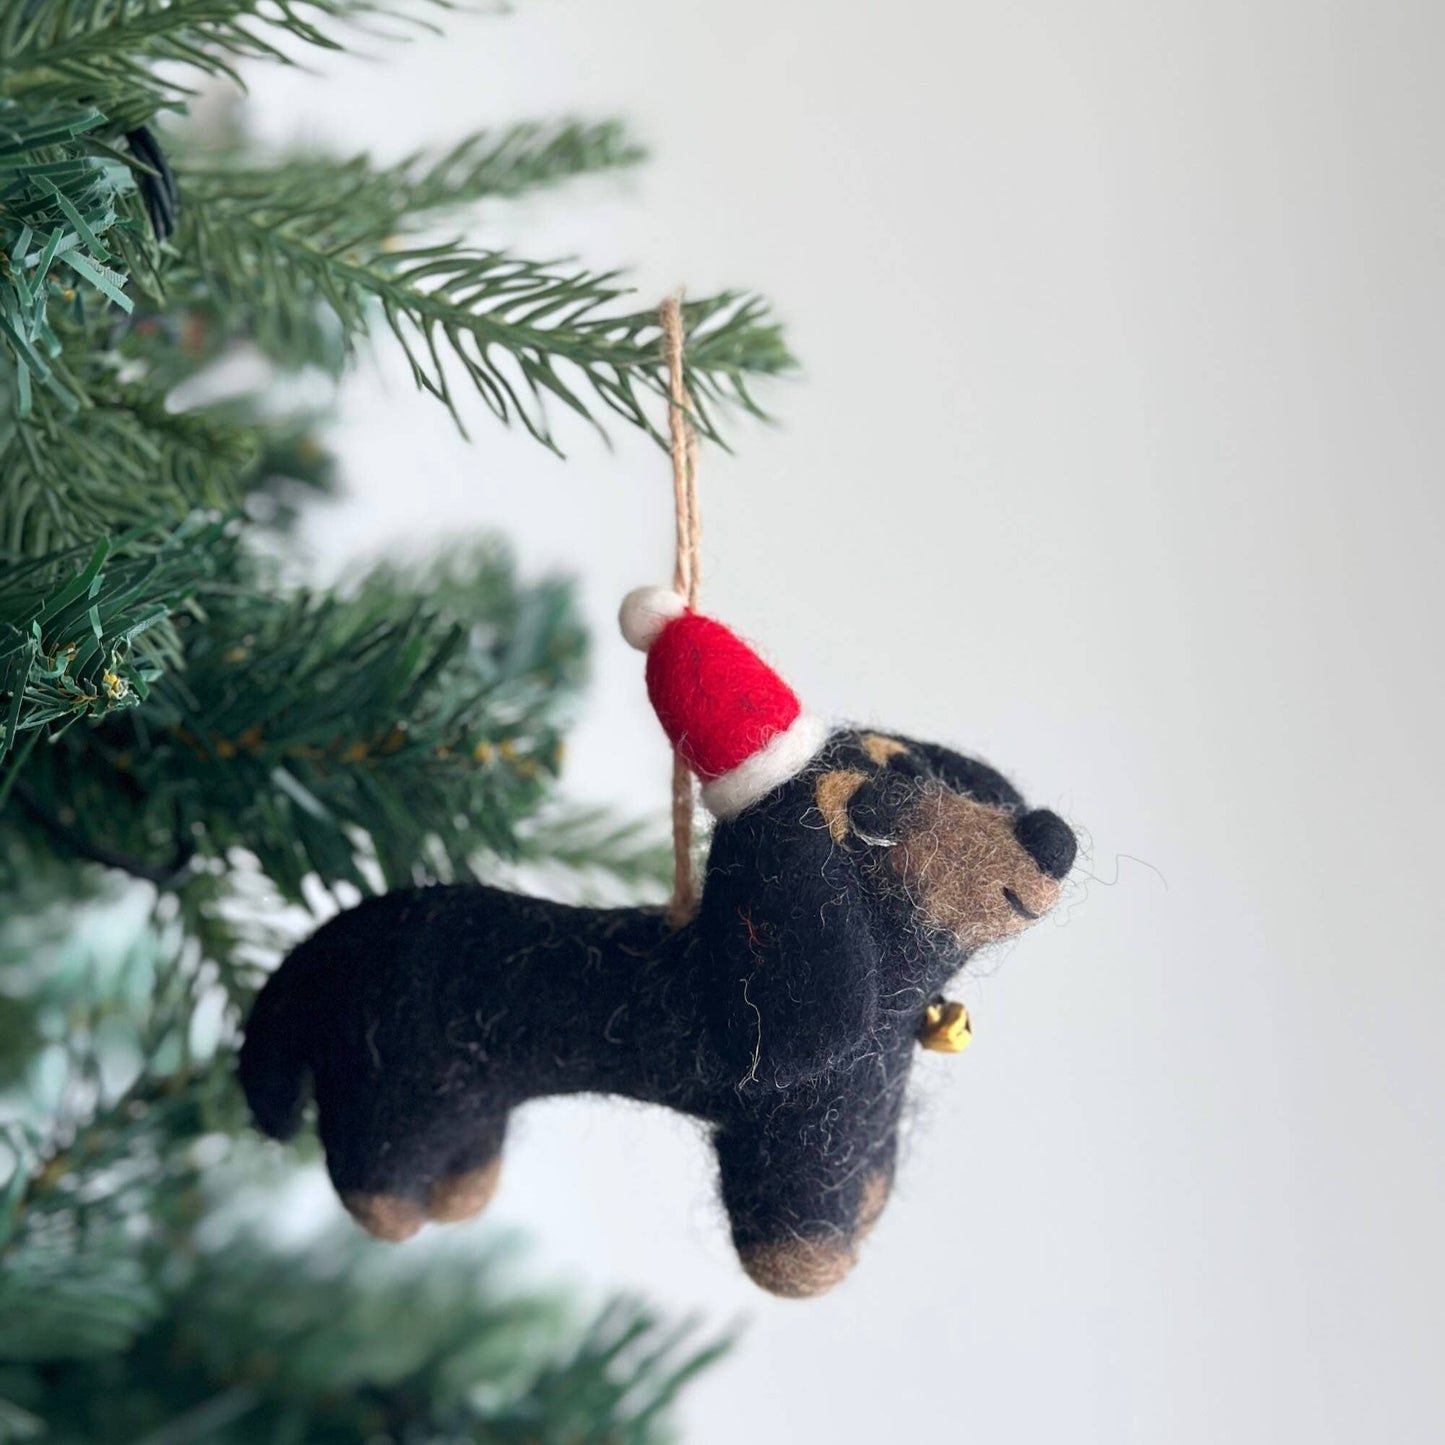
point(187, 736)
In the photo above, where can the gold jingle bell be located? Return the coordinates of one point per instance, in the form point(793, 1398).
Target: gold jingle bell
point(946, 1028)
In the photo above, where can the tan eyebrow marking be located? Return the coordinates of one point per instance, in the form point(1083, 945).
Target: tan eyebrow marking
point(834, 791)
point(880, 749)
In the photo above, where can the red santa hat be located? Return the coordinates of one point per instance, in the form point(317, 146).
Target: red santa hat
point(732, 719)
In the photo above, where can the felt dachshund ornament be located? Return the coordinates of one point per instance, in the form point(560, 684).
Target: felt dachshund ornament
point(851, 874)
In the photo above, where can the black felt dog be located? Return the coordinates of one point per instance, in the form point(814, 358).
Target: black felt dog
point(835, 908)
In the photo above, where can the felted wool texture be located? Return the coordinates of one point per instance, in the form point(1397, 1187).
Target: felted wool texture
point(716, 699)
point(785, 1016)
point(964, 866)
point(645, 611)
point(731, 719)
point(783, 755)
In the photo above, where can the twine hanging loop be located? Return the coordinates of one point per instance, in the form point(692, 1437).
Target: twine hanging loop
point(686, 580)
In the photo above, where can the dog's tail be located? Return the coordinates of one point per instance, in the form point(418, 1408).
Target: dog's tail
point(275, 1055)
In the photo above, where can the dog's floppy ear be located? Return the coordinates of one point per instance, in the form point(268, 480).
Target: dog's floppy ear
point(792, 938)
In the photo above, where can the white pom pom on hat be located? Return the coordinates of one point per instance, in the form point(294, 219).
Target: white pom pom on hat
point(645, 611)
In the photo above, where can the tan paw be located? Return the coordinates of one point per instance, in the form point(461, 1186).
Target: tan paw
point(463, 1195)
point(385, 1216)
point(799, 1268)
point(875, 1197)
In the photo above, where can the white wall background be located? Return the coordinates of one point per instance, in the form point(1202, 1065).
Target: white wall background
point(1118, 460)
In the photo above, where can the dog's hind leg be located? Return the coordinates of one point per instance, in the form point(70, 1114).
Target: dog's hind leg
point(396, 1167)
point(472, 1171)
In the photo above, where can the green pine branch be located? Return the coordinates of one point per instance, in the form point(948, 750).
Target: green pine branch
point(521, 333)
point(294, 466)
point(59, 202)
point(81, 1224)
point(376, 201)
point(114, 1089)
point(110, 51)
point(127, 461)
point(84, 633)
point(301, 316)
point(400, 728)
point(340, 1342)
point(521, 158)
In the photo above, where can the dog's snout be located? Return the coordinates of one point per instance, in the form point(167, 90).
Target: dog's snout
point(1048, 840)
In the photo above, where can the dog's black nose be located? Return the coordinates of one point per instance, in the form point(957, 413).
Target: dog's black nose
point(1048, 840)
